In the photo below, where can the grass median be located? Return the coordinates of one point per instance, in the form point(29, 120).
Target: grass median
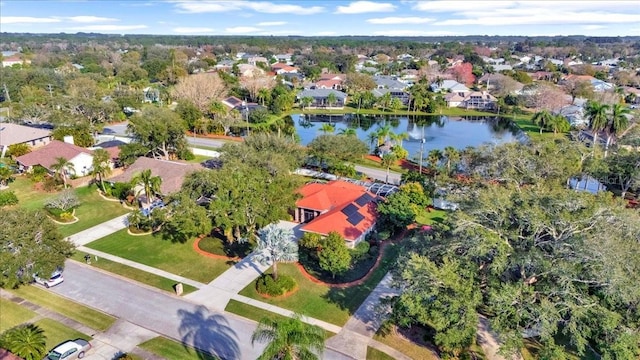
point(170, 349)
point(56, 332)
point(13, 314)
point(85, 315)
point(138, 275)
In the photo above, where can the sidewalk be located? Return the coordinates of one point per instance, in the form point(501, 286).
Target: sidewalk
point(99, 231)
point(121, 337)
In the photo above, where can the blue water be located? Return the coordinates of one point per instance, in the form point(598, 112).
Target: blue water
point(439, 131)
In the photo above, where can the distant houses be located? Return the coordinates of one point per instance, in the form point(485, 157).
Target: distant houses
point(322, 99)
point(13, 134)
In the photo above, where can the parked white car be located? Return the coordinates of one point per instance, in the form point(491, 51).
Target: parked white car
point(55, 279)
point(71, 349)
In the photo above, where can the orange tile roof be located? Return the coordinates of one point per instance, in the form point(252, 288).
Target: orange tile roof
point(330, 199)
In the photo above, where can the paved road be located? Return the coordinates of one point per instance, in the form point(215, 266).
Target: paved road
point(379, 174)
point(120, 129)
point(223, 334)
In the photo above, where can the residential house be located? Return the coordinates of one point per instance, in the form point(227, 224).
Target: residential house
point(389, 82)
point(172, 173)
point(491, 81)
point(247, 70)
point(12, 134)
point(254, 60)
point(501, 67)
point(575, 115)
point(281, 68)
point(337, 206)
point(15, 59)
point(449, 86)
point(598, 85)
point(284, 58)
point(321, 98)
point(224, 65)
point(46, 156)
point(480, 100)
point(243, 107)
point(330, 81)
point(404, 96)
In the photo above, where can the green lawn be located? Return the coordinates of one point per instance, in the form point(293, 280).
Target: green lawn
point(409, 348)
point(176, 258)
point(431, 217)
point(57, 333)
point(375, 354)
point(257, 314)
point(333, 305)
point(80, 313)
point(12, 314)
point(92, 211)
point(170, 349)
point(199, 158)
point(144, 277)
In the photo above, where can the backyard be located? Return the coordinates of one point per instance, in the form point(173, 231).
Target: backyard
point(176, 258)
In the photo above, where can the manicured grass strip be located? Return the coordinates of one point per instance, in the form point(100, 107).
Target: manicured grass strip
point(28, 197)
point(409, 348)
point(80, 313)
point(176, 258)
point(375, 354)
point(170, 349)
point(12, 314)
point(333, 305)
point(57, 333)
point(257, 314)
point(144, 277)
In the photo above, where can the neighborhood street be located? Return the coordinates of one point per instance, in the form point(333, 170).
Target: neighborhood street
point(221, 333)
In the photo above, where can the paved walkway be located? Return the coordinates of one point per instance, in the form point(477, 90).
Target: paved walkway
point(121, 337)
point(99, 231)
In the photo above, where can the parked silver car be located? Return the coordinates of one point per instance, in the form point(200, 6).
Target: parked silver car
point(55, 279)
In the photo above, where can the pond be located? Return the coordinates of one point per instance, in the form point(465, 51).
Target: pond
point(439, 131)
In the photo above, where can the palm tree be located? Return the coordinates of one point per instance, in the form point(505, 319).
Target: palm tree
point(388, 160)
point(395, 104)
point(150, 184)
point(618, 122)
point(101, 166)
point(542, 119)
point(289, 338)
point(452, 155)
point(597, 114)
point(399, 137)
point(434, 157)
point(306, 102)
point(26, 341)
point(558, 124)
point(331, 99)
point(6, 175)
point(61, 167)
point(348, 132)
point(384, 133)
point(327, 128)
point(276, 245)
point(372, 137)
point(384, 101)
point(264, 95)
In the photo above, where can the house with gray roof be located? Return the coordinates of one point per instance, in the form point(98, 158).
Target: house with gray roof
point(449, 86)
point(389, 82)
point(12, 134)
point(404, 96)
point(320, 98)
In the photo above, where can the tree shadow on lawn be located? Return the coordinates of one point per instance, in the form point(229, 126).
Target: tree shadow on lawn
point(208, 332)
point(349, 298)
point(217, 244)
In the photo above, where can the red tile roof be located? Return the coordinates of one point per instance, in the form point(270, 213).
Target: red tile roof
point(285, 67)
point(330, 199)
point(46, 155)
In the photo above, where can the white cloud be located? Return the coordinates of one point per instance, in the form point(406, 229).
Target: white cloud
point(205, 6)
point(400, 20)
point(242, 30)
point(107, 27)
point(414, 33)
point(193, 30)
point(505, 17)
point(594, 27)
point(271, 23)
point(27, 20)
point(359, 7)
point(89, 19)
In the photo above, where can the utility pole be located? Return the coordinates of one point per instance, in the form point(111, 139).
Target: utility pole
point(6, 92)
point(50, 88)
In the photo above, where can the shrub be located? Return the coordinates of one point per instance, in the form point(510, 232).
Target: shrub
point(186, 154)
point(120, 190)
point(38, 173)
point(8, 198)
point(16, 150)
point(360, 252)
point(266, 285)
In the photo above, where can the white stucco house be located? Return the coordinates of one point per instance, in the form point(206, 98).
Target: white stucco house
point(46, 156)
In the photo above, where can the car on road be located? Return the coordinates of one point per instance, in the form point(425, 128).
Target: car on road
point(55, 279)
point(68, 350)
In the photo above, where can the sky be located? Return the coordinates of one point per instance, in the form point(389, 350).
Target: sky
point(323, 18)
